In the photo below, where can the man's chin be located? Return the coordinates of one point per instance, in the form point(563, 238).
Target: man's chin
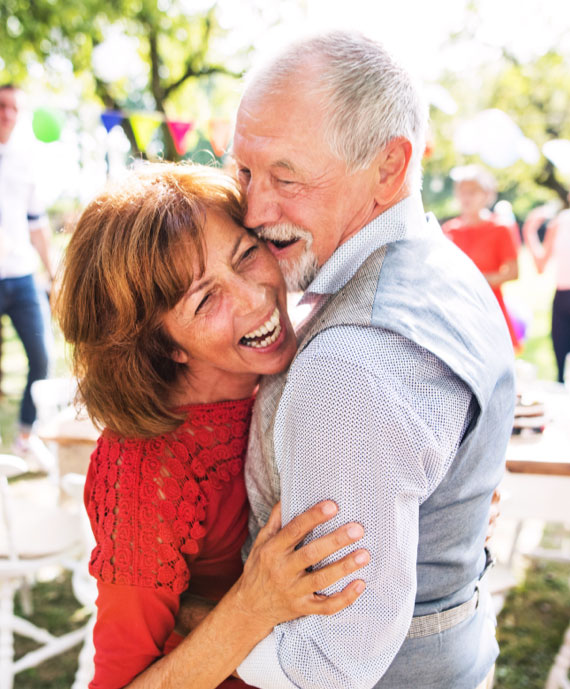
point(299, 272)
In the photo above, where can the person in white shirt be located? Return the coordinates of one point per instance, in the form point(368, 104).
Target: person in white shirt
point(24, 230)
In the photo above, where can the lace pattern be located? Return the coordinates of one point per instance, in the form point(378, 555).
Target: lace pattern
point(148, 499)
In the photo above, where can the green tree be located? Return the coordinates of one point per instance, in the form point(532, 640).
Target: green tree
point(534, 92)
point(178, 50)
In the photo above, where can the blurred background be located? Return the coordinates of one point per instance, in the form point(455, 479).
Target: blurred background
point(107, 83)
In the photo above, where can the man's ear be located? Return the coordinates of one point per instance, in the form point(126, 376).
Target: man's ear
point(392, 165)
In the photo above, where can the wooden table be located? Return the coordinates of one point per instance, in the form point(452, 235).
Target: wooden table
point(546, 453)
point(536, 484)
point(74, 436)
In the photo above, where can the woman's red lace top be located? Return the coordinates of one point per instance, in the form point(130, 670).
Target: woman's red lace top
point(168, 514)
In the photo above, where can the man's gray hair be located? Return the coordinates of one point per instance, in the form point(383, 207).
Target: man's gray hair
point(369, 98)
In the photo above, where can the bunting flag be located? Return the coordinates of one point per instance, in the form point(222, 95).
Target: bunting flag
point(48, 124)
point(178, 132)
point(111, 118)
point(144, 127)
point(220, 133)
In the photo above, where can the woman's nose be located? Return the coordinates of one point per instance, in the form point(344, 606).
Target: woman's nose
point(250, 294)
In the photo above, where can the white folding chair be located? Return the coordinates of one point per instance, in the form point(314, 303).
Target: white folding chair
point(84, 585)
point(32, 537)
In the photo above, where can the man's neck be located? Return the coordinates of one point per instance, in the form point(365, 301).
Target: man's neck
point(377, 210)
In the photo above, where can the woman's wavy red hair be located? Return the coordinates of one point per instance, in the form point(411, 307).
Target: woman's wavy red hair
point(130, 260)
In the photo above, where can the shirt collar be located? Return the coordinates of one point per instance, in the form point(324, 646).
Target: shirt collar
point(404, 219)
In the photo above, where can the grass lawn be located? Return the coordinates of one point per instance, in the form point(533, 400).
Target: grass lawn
point(535, 614)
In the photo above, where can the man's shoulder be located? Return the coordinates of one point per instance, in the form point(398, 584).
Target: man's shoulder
point(352, 351)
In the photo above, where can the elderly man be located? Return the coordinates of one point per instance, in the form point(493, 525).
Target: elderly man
point(399, 403)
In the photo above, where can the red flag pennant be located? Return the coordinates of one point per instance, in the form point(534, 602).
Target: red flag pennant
point(178, 132)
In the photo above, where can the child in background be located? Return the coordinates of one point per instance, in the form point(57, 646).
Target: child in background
point(477, 232)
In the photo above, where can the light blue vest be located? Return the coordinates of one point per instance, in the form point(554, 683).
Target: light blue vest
point(427, 290)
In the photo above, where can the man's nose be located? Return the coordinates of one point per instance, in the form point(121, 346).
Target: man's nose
point(262, 206)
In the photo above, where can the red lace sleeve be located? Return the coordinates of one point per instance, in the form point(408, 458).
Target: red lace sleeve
point(147, 499)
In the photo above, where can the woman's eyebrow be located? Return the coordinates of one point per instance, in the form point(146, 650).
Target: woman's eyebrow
point(200, 285)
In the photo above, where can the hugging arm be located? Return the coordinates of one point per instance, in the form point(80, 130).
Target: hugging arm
point(275, 586)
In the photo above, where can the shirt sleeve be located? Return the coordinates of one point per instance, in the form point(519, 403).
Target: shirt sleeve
point(132, 627)
point(36, 213)
point(373, 428)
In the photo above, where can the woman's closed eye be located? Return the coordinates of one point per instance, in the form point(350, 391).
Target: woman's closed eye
point(249, 253)
point(203, 303)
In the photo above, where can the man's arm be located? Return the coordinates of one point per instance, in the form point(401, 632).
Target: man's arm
point(377, 438)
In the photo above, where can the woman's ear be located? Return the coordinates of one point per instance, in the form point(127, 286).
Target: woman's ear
point(392, 165)
point(179, 356)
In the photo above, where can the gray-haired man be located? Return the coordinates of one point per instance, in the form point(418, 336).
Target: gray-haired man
point(398, 405)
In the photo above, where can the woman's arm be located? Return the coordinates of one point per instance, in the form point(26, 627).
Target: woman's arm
point(274, 587)
point(541, 252)
point(508, 271)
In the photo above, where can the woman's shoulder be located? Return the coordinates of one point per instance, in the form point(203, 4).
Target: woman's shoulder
point(148, 498)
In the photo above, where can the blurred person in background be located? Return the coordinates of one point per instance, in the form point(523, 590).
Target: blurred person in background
point(556, 246)
point(24, 230)
point(490, 245)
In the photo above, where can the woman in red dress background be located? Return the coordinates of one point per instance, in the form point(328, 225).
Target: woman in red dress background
point(490, 244)
point(174, 311)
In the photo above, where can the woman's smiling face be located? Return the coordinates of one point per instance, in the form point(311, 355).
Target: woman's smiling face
point(232, 324)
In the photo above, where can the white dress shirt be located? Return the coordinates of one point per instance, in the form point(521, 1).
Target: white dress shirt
point(21, 211)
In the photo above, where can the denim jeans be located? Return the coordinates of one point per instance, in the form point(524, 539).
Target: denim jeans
point(19, 299)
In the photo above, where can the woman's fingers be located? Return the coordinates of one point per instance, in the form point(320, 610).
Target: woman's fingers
point(328, 575)
point(277, 583)
point(318, 549)
point(329, 605)
point(298, 528)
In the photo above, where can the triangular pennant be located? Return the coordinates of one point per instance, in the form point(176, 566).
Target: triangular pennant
point(220, 132)
point(178, 131)
point(111, 118)
point(144, 127)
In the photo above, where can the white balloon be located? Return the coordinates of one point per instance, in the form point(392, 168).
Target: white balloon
point(467, 137)
point(558, 152)
point(496, 138)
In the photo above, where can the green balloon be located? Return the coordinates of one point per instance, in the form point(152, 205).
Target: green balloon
point(47, 124)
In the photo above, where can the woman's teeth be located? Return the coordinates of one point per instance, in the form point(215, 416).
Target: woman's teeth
point(265, 334)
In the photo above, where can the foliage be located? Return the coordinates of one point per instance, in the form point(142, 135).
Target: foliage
point(178, 51)
point(536, 95)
